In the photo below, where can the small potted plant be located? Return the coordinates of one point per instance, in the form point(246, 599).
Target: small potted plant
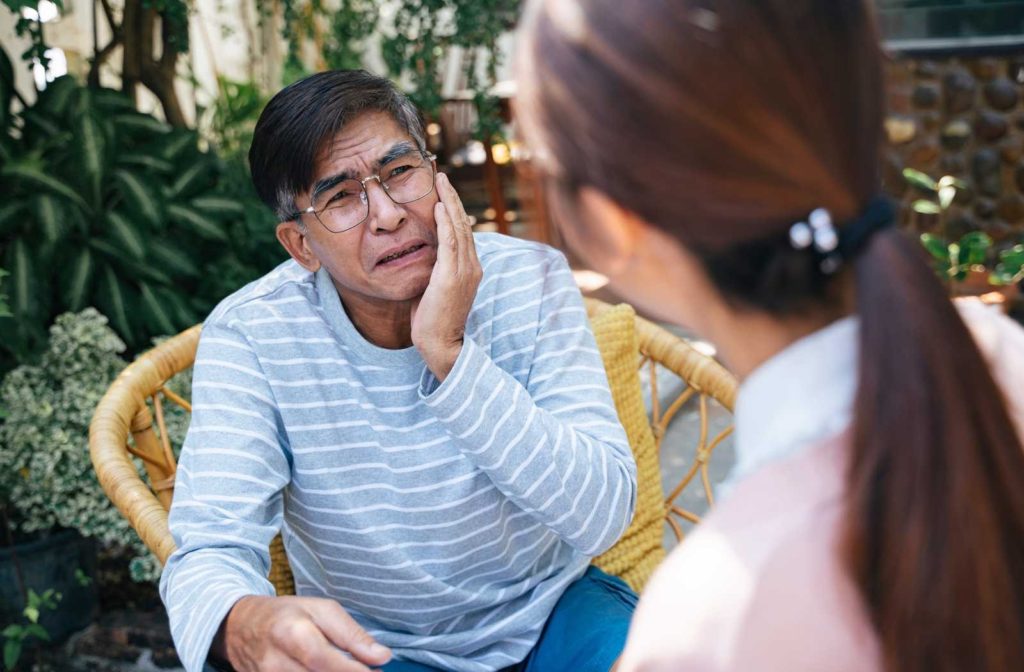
point(969, 266)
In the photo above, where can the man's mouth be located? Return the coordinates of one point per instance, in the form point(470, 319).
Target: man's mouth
point(395, 256)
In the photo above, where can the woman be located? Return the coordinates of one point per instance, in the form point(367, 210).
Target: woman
point(718, 159)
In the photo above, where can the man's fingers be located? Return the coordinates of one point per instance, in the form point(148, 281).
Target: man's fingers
point(447, 238)
point(460, 223)
point(341, 629)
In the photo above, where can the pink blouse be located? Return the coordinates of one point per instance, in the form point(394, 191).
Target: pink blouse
point(758, 585)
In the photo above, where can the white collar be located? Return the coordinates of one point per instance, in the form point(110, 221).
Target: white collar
point(800, 396)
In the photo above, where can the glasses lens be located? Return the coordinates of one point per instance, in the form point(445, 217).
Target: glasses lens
point(342, 206)
point(408, 178)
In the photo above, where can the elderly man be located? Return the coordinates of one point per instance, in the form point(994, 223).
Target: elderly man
point(422, 412)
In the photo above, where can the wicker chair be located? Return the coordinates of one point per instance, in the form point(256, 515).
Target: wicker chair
point(123, 427)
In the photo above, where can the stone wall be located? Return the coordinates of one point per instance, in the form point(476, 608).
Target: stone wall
point(962, 117)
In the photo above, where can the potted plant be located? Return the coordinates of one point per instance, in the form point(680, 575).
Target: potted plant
point(969, 266)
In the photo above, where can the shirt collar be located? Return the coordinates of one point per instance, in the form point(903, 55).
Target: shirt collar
point(800, 396)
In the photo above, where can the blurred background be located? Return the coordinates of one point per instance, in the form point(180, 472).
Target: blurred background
point(126, 214)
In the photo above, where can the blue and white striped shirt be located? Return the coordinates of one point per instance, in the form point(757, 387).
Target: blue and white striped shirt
point(446, 518)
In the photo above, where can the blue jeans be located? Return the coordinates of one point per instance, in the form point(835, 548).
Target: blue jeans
point(586, 632)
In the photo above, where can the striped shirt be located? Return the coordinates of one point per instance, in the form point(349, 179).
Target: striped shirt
point(447, 518)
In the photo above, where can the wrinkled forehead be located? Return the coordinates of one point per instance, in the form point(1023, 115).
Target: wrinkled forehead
point(362, 144)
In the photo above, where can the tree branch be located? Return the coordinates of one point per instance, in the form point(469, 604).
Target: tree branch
point(100, 57)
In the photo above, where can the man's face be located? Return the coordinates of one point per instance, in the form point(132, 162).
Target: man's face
point(362, 260)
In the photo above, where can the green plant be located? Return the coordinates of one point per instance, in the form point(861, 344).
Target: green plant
point(46, 476)
point(414, 44)
point(112, 208)
point(17, 634)
point(5, 310)
point(31, 28)
point(955, 259)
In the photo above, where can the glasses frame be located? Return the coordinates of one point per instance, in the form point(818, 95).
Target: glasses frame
point(427, 156)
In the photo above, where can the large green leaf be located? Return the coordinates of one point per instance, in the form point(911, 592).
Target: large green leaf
point(33, 176)
point(126, 235)
point(11, 216)
point(176, 144)
point(172, 258)
point(56, 100)
point(974, 248)
point(50, 218)
point(147, 161)
point(140, 197)
point(193, 176)
point(92, 146)
point(919, 179)
point(113, 299)
point(79, 280)
point(156, 315)
point(218, 205)
point(183, 313)
point(140, 123)
point(6, 89)
point(23, 290)
point(197, 223)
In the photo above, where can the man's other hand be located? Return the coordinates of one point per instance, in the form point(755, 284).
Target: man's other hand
point(295, 634)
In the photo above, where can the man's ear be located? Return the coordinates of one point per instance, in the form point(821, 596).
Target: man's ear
point(294, 237)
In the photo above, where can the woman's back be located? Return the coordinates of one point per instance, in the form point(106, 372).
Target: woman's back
point(759, 585)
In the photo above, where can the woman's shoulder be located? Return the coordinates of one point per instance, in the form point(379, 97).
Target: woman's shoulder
point(1001, 341)
point(758, 584)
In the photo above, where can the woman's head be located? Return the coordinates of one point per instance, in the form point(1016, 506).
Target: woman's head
point(718, 124)
point(683, 139)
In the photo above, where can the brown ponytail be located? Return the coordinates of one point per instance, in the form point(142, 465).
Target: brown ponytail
point(936, 484)
point(722, 122)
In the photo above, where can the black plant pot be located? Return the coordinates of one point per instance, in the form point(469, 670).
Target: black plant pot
point(50, 563)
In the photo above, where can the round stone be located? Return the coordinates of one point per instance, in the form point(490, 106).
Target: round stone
point(1011, 149)
point(1011, 208)
point(985, 208)
point(985, 69)
point(956, 134)
point(1001, 94)
point(930, 121)
point(985, 170)
point(953, 164)
point(924, 154)
point(990, 126)
point(900, 130)
point(927, 69)
point(958, 226)
point(1019, 176)
point(959, 90)
point(925, 96)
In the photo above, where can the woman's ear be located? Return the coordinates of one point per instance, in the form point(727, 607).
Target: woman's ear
point(647, 267)
point(294, 237)
point(608, 241)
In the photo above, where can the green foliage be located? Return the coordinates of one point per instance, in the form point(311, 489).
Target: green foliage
point(32, 28)
point(46, 476)
point(115, 209)
point(413, 44)
point(954, 260)
point(17, 634)
point(5, 310)
point(1010, 269)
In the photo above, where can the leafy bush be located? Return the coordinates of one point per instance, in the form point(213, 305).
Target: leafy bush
point(111, 208)
point(46, 475)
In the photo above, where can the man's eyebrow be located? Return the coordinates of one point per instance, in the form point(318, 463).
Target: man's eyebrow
point(397, 150)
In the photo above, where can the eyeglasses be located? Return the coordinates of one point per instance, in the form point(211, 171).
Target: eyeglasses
point(343, 205)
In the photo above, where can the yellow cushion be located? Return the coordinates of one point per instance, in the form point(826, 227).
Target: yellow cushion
point(638, 552)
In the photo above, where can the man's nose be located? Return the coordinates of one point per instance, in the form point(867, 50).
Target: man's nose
point(385, 215)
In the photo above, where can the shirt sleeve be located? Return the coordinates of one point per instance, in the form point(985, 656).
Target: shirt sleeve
point(554, 446)
point(228, 493)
